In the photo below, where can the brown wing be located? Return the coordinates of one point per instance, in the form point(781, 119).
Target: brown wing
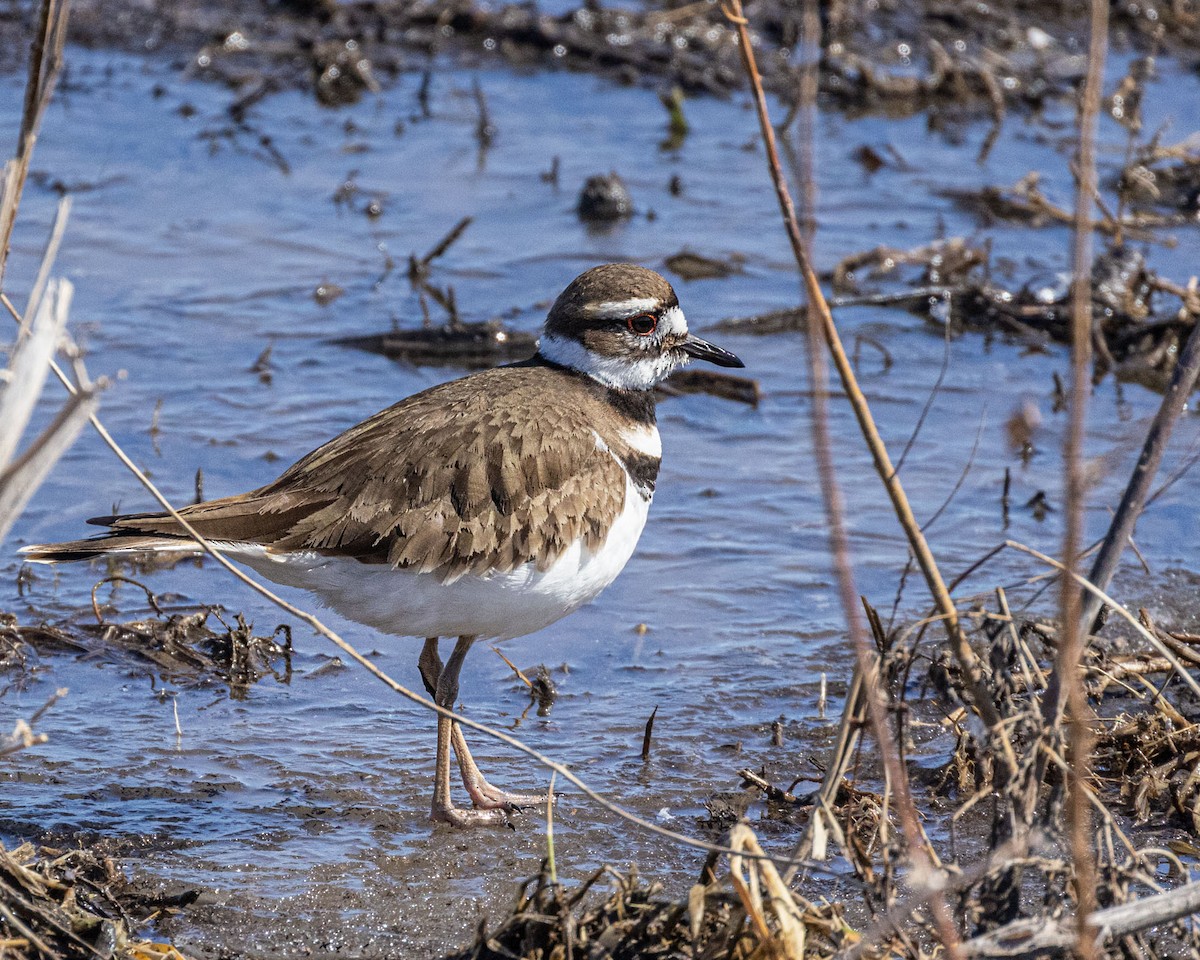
point(448, 481)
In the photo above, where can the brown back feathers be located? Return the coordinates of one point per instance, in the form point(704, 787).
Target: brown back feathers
point(485, 473)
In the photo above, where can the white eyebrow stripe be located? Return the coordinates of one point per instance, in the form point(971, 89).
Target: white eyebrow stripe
point(614, 309)
point(672, 320)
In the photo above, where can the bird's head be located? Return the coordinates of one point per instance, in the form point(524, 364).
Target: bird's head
point(621, 324)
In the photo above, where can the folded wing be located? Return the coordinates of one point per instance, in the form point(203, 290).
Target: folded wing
point(445, 482)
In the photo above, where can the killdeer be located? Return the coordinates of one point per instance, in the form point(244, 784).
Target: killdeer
point(489, 506)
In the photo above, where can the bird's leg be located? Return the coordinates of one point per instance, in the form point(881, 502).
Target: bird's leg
point(446, 693)
point(483, 795)
point(430, 665)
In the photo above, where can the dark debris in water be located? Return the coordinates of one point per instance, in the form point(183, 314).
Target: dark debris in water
point(636, 921)
point(694, 266)
point(57, 904)
point(325, 293)
point(604, 198)
point(726, 386)
point(1164, 178)
point(483, 344)
point(470, 345)
point(1141, 319)
point(786, 320)
point(727, 807)
point(342, 72)
point(988, 61)
point(182, 648)
point(543, 691)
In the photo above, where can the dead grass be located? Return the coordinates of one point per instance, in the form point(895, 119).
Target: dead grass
point(58, 904)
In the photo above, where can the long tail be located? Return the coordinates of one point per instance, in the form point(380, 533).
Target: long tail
point(251, 518)
point(116, 542)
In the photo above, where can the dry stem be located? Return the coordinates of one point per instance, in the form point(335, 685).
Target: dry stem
point(1066, 683)
point(923, 864)
point(45, 62)
point(962, 651)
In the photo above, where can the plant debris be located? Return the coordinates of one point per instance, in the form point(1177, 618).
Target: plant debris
point(483, 344)
point(468, 345)
point(753, 915)
point(57, 904)
point(952, 282)
point(874, 57)
point(182, 648)
point(726, 386)
point(693, 266)
point(604, 198)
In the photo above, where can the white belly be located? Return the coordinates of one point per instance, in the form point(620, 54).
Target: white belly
point(502, 605)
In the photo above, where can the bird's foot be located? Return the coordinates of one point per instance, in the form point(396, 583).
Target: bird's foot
point(457, 817)
point(486, 797)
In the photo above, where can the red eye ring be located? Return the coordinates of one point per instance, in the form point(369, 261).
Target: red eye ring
point(643, 324)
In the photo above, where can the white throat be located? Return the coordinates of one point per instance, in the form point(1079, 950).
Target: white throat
point(629, 372)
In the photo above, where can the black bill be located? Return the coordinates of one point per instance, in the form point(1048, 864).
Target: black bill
point(703, 350)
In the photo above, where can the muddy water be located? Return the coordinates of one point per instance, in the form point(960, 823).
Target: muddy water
point(301, 809)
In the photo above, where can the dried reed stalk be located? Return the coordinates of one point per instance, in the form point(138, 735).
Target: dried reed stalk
point(42, 327)
point(1066, 691)
point(967, 660)
point(786, 940)
point(924, 870)
point(45, 63)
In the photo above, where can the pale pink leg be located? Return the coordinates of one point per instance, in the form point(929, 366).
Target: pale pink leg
point(484, 796)
point(443, 808)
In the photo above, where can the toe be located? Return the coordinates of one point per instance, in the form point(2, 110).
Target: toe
point(457, 817)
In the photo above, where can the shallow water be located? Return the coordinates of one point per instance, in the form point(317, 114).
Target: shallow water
point(192, 253)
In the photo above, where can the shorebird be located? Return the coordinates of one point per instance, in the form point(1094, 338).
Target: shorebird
point(489, 506)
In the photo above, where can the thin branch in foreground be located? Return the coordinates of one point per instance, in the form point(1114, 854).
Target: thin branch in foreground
point(967, 660)
point(924, 874)
point(1066, 695)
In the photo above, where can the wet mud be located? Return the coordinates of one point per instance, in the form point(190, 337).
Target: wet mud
point(896, 55)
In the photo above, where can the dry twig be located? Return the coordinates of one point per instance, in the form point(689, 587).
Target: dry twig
point(1034, 936)
point(42, 326)
point(923, 873)
point(1065, 692)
